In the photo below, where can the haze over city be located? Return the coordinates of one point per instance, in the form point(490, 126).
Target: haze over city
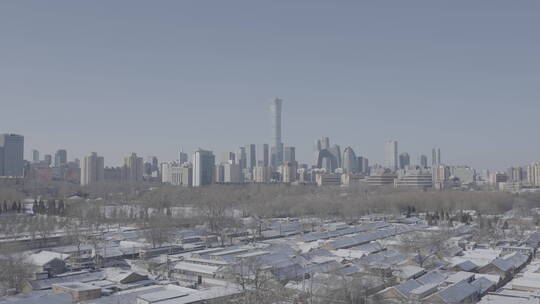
point(150, 78)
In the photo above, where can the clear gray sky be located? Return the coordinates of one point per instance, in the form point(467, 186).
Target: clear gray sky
point(148, 76)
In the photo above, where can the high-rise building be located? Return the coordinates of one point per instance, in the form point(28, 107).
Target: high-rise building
point(391, 155)
point(35, 156)
point(251, 156)
point(435, 157)
point(48, 159)
point(533, 174)
point(134, 168)
point(350, 162)
point(228, 157)
point(404, 160)
point(241, 157)
point(60, 158)
point(11, 155)
point(289, 154)
point(182, 157)
point(423, 161)
point(92, 169)
point(363, 165)
point(325, 143)
point(203, 168)
point(336, 151)
point(263, 154)
point(275, 111)
point(516, 174)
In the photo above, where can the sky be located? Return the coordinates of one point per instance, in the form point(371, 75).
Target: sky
point(150, 77)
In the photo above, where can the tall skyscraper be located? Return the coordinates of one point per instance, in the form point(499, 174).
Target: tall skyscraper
point(289, 154)
point(350, 164)
point(60, 158)
point(11, 155)
point(435, 157)
point(423, 161)
point(404, 160)
point(228, 157)
point(182, 157)
point(92, 169)
point(363, 165)
point(263, 154)
point(275, 111)
point(391, 155)
point(35, 156)
point(251, 156)
point(203, 168)
point(533, 174)
point(133, 168)
point(241, 157)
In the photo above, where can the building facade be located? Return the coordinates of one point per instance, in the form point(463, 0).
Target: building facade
point(11, 155)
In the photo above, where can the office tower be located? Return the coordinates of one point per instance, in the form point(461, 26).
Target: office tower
point(533, 174)
point(133, 168)
point(404, 160)
point(275, 111)
point(203, 168)
point(35, 156)
point(153, 160)
point(263, 154)
point(11, 155)
point(241, 157)
point(423, 161)
point(228, 157)
point(251, 156)
point(289, 154)
point(391, 155)
point(435, 157)
point(363, 165)
point(325, 142)
point(350, 162)
point(48, 159)
point(60, 158)
point(182, 157)
point(336, 151)
point(92, 169)
point(77, 162)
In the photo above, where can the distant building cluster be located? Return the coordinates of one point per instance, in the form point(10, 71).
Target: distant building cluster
point(266, 163)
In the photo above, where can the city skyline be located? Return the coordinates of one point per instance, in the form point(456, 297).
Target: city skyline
point(175, 80)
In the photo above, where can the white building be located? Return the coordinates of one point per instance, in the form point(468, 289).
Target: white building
point(177, 174)
point(92, 169)
point(391, 155)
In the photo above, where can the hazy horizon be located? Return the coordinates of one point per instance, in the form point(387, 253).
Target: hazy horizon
point(151, 77)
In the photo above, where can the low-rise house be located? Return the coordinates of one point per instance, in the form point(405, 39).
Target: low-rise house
point(462, 292)
point(465, 266)
point(50, 262)
point(79, 291)
point(484, 285)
